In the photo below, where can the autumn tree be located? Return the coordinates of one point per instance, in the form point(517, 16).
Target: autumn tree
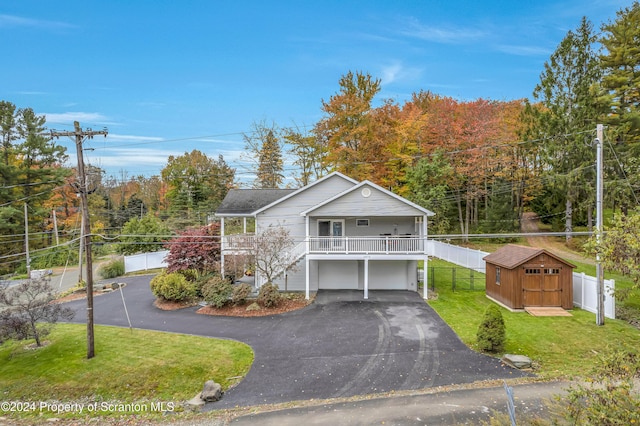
point(346, 128)
point(195, 249)
point(263, 149)
point(309, 155)
point(196, 186)
point(569, 113)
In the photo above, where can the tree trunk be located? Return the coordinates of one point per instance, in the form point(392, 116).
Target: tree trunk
point(568, 223)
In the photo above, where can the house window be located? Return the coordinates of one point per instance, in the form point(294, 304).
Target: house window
point(497, 276)
point(552, 271)
point(362, 222)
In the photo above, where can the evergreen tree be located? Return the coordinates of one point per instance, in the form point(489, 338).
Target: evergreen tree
point(270, 163)
point(568, 118)
point(620, 98)
point(263, 149)
point(30, 169)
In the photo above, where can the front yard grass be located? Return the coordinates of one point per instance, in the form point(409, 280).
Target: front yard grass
point(130, 366)
point(561, 347)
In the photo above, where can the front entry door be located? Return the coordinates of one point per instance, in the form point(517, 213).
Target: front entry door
point(333, 231)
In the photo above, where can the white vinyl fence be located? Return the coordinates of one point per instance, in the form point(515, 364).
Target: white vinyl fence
point(145, 261)
point(584, 286)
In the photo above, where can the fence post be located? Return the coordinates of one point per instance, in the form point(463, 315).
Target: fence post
point(453, 279)
point(471, 278)
point(433, 279)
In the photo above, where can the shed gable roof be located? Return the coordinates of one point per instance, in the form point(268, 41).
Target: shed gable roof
point(513, 255)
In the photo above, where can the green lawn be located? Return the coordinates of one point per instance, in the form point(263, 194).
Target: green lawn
point(130, 366)
point(561, 346)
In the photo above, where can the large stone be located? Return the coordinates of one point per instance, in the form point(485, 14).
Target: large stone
point(195, 404)
point(517, 361)
point(211, 392)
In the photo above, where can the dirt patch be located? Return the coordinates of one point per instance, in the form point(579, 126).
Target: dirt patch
point(287, 304)
point(530, 224)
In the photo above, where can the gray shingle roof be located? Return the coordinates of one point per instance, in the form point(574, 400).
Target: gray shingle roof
point(246, 201)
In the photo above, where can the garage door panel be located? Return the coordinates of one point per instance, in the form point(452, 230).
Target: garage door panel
point(387, 275)
point(337, 275)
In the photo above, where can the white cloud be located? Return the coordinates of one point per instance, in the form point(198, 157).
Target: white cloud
point(133, 138)
point(397, 72)
point(524, 50)
point(443, 34)
point(12, 21)
point(67, 118)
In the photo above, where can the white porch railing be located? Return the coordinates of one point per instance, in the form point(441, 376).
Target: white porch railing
point(238, 242)
point(382, 244)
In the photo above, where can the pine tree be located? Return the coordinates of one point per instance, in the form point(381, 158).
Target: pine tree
point(569, 112)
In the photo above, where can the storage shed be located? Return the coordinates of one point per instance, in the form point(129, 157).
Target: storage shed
point(519, 277)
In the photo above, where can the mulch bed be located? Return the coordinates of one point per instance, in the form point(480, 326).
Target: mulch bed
point(285, 305)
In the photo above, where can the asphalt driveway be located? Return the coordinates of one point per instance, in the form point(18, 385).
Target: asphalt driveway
point(339, 346)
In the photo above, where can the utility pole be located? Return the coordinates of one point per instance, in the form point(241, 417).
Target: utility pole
point(80, 135)
point(599, 222)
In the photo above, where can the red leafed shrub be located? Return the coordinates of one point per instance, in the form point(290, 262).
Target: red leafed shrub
point(195, 248)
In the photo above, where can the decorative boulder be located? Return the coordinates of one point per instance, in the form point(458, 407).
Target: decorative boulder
point(517, 361)
point(211, 392)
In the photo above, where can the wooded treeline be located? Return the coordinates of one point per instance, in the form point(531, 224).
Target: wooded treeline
point(478, 164)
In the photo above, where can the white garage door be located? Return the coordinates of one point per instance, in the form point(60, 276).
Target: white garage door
point(339, 274)
point(388, 275)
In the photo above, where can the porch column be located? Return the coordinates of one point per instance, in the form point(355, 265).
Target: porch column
point(425, 278)
point(307, 275)
point(222, 246)
point(366, 278)
point(244, 225)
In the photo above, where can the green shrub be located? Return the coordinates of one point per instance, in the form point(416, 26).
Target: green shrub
point(190, 274)
point(491, 332)
point(217, 291)
point(253, 307)
point(112, 269)
point(240, 294)
point(173, 287)
point(269, 295)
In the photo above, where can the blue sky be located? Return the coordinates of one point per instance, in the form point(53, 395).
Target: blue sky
point(167, 77)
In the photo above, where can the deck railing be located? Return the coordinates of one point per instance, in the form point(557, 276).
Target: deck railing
point(396, 244)
point(382, 244)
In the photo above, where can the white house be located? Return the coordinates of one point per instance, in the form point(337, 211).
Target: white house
point(349, 234)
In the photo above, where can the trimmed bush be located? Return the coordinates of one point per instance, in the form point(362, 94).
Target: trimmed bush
point(217, 291)
point(269, 295)
point(173, 287)
point(112, 269)
point(240, 294)
point(491, 332)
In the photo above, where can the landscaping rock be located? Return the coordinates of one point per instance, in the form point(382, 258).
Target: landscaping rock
point(517, 361)
point(195, 404)
point(211, 392)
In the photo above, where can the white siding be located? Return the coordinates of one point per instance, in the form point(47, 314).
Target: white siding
point(355, 204)
point(287, 212)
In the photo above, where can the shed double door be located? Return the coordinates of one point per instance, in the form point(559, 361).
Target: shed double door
point(541, 286)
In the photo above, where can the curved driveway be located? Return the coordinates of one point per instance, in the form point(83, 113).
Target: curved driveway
point(339, 346)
